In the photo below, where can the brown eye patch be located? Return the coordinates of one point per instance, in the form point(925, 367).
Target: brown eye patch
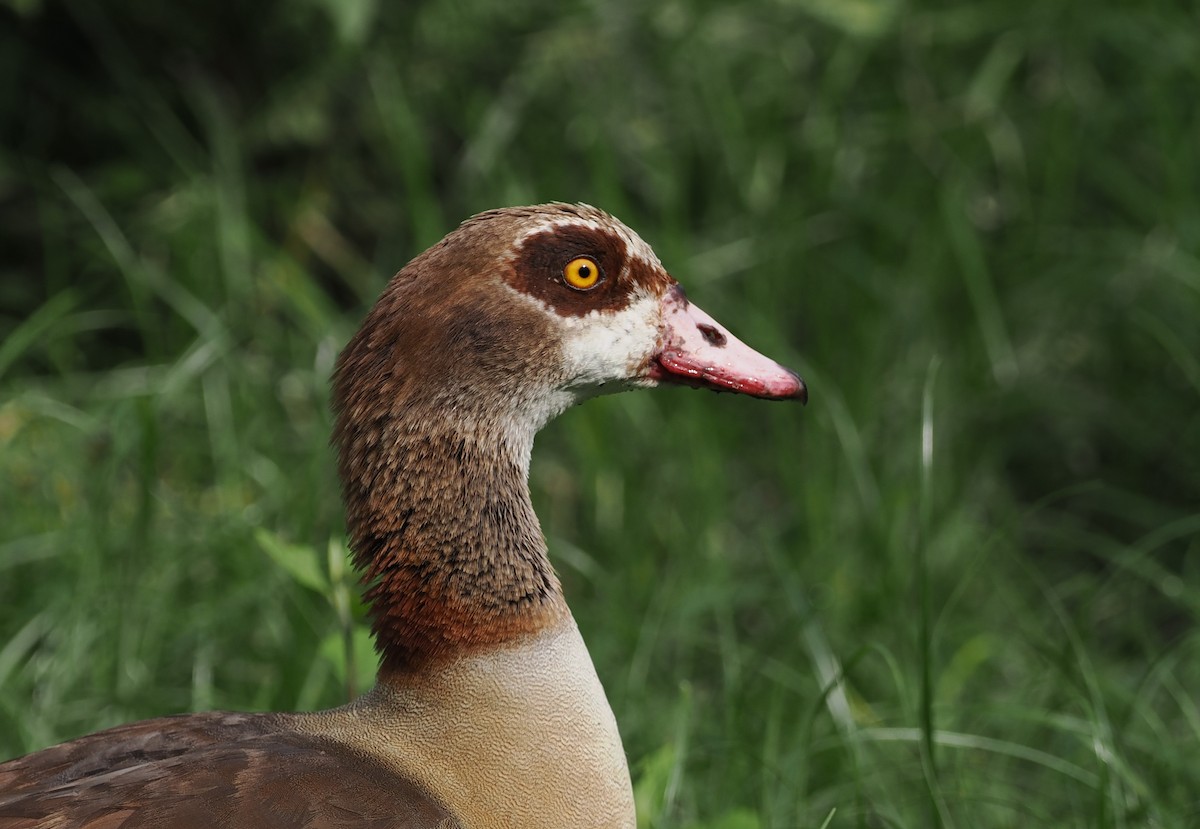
point(537, 269)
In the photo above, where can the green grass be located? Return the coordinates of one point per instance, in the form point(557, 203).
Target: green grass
point(961, 588)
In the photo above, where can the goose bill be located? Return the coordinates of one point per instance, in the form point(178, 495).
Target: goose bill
point(698, 351)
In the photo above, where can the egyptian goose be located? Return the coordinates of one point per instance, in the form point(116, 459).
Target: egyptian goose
point(487, 711)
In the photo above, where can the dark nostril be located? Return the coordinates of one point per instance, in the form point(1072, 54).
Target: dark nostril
point(712, 335)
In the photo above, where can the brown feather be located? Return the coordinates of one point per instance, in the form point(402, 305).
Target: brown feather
point(204, 770)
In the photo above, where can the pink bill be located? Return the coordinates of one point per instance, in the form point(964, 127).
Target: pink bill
point(698, 351)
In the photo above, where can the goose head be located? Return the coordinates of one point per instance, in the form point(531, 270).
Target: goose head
point(522, 312)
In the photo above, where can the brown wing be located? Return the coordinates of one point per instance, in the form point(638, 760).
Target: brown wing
point(209, 770)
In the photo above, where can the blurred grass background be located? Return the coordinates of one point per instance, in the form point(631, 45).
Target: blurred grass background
point(961, 588)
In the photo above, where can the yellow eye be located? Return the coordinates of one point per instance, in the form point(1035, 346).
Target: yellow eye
point(582, 273)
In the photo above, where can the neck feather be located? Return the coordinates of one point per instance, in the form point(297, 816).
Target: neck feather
point(444, 532)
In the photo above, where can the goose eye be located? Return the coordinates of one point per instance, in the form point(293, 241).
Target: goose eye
point(582, 273)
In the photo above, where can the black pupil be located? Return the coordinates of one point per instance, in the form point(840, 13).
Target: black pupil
point(584, 271)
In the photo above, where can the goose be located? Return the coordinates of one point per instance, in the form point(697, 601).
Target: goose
point(487, 710)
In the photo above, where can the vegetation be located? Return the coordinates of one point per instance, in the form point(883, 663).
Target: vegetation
point(961, 588)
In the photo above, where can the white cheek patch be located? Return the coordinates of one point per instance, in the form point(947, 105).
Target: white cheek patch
point(599, 353)
point(609, 350)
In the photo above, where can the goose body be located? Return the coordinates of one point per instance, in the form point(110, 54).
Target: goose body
point(487, 711)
